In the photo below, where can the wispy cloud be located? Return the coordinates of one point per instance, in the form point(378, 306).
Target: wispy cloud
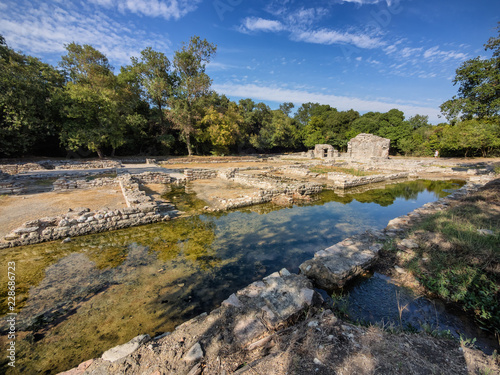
point(45, 29)
point(261, 24)
point(168, 9)
point(367, 2)
point(435, 53)
point(300, 25)
point(326, 36)
point(280, 95)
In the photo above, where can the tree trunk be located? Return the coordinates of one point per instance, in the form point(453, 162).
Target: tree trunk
point(100, 153)
point(188, 144)
point(113, 152)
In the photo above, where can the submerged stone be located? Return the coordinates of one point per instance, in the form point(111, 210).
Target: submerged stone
point(333, 267)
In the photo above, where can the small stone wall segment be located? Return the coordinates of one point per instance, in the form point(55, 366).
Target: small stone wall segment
point(62, 183)
point(200, 174)
point(57, 164)
point(8, 187)
point(344, 180)
point(365, 146)
point(78, 223)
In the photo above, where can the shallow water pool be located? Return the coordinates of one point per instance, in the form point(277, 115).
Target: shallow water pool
point(78, 299)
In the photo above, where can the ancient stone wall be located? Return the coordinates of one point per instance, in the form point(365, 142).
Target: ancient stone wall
point(199, 174)
point(365, 146)
point(344, 180)
point(9, 187)
point(77, 223)
point(13, 169)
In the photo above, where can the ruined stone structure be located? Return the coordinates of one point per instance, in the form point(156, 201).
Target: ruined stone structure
point(365, 146)
point(325, 152)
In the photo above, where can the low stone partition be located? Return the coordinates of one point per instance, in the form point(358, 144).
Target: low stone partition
point(10, 187)
point(344, 180)
point(132, 194)
point(78, 223)
point(200, 174)
point(13, 169)
point(62, 183)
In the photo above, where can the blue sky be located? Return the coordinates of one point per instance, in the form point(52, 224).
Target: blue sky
point(369, 55)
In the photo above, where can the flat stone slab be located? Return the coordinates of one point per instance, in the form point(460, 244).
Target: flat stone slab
point(331, 268)
point(120, 351)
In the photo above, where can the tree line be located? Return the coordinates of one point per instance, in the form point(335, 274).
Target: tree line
point(155, 106)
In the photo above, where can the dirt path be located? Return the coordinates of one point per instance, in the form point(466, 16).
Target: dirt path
point(17, 209)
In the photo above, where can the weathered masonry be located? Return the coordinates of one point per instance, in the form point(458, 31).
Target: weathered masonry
point(365, 146)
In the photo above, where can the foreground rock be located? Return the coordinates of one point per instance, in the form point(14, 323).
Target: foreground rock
point(246, 321)
point(333, 267)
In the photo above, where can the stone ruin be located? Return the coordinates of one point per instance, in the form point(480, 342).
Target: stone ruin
point(323, 152)
point(365, 146)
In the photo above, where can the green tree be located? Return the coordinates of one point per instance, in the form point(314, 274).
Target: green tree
point(479, 87)
point(313, 132)
point(223, 128)
point(156, 81)
point(190, 63)
point(286, 108)
point(30, 99)
point(96, 113)
point(394, 127)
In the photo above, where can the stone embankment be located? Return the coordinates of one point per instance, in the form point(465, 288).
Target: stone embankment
point(345, 181)
point(141, 209)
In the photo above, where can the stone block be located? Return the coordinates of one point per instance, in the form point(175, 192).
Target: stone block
point(120, 351)
point(337, 265)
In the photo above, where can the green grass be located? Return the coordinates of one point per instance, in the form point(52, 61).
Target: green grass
point(352, 171)
point(463, 265)
point(45, 181)
point(497, 169)
point(101, 175)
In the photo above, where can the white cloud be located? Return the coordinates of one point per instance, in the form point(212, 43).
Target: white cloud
point(168, 9)
point(280, 95)
point(261, 24)
point(326, 36)
point(300, 24)
point(305, 17)
point(435, 53)
point(47, 28)
point(407, 52)
point(367, 2)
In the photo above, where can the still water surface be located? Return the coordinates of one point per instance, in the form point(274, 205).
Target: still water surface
point(78, 299)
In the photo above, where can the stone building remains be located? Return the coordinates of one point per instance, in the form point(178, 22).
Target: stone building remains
point(365, 146)
point(324, 152)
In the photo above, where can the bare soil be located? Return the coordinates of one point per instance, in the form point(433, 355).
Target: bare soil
point(212, 190)
point(17, 209)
